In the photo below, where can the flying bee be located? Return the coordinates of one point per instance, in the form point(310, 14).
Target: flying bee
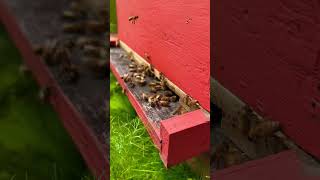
point(96, 26)
point(263, 129)
point(133, 19)
point(74, 28)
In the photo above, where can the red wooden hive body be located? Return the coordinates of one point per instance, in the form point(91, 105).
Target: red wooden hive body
point(267, 54)
point(175, 36)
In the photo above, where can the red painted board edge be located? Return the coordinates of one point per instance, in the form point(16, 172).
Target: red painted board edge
point(89, 147)
point(281, 166)
point(184, 137)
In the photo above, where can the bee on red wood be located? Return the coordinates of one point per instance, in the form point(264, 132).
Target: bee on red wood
point(133, 19)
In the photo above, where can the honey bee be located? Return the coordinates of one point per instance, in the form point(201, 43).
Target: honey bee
point(164, 103)
point(83, 41)
point(74, 28)
point(168, 93)
point(54, 53)
point(263, 129)
point(145, 96)
point(70, 15)
point(191, 103)
point(141, 82)
point(152, 101)
point(130, 56)
point(127, 77)
point(165, 98)
point(133, 19)
point(96, 26)
point(93, 51)
point(173, 99)
point(132, 66)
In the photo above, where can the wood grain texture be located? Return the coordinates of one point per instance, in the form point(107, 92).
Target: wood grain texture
point(268, 54)
point(176, 36)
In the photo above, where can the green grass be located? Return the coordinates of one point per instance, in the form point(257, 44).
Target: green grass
point(132, 153)
point(33, 143)
point(113, 16)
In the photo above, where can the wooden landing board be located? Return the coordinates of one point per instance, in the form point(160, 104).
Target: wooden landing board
point(30, 22)
point(267, 54)
point(176, 37)
point(178, 138)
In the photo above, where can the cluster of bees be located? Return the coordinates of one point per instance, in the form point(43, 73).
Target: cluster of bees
point(58, 52)
point(160, 95)
point(255, 129)
point(226, 155)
